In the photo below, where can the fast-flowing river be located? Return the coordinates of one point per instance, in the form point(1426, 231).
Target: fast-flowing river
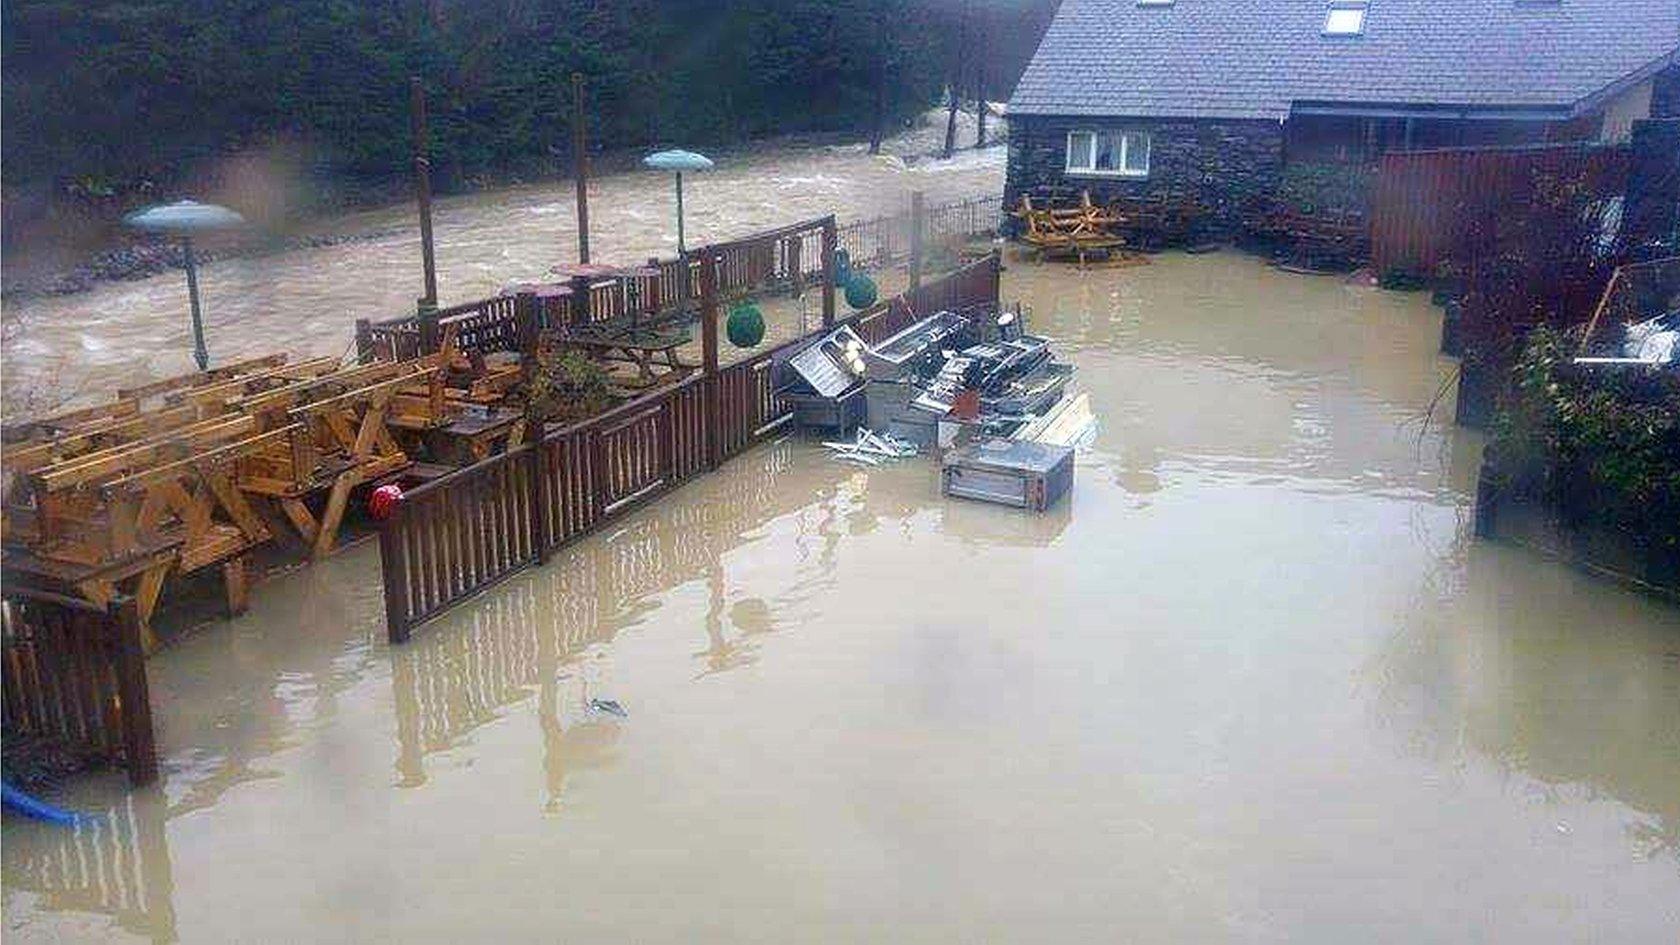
point(1254, 683)
point(79, 348)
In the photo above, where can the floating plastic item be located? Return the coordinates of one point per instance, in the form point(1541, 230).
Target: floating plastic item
point(31, 806)
point(609, 707)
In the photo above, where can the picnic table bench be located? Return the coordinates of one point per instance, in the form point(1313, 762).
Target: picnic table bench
point(644, 348)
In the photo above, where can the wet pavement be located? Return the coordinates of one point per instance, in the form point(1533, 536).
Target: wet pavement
point(1255, 682)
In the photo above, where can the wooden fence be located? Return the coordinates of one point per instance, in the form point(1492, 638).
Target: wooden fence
point(454, 537)
point(781, 258)
point(1422, 198)
point(75, 673)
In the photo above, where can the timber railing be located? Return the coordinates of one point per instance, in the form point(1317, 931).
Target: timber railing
point(787, 257)
point(458, 535)
point(74, 673)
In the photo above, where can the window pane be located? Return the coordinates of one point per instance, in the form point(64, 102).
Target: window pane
point(1344, 21)
point(1137, 154)
point(1079, 151)
point(1108, 152)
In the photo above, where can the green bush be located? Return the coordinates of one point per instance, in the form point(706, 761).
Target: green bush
point(1601, 447)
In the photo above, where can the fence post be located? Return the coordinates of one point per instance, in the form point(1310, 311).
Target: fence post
point(139, 745)
point(916, 214)
point(652, 301)
point(364, 341)
point(828, 241)
point(709, 356)
point(540, 530)
point(580, 300)
point(996, 268)
point(429, 339)
point(395, 572)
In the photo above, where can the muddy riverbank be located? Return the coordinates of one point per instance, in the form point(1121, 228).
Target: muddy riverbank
point(1256, 683)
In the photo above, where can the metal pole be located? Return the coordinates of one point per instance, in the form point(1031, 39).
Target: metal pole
point(580, 158)
point(423, 189)
point(679, 215)
point(200, 353)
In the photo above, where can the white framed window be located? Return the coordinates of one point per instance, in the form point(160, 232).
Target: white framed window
point(1108, 153)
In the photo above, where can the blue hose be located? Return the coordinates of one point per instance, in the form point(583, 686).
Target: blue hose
point(16, 800)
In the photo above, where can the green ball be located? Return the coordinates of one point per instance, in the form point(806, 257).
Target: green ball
point(746, 326)
point(860, 291)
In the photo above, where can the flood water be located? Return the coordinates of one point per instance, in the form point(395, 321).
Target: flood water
point(1254, 683)
point(79, 348)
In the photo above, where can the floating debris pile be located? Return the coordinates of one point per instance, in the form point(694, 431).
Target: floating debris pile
point(945, 382)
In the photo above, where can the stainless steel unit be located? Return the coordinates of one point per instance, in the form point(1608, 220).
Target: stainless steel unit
point(1023, 474)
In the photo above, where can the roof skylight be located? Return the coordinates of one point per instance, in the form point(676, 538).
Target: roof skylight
point(1345, 18)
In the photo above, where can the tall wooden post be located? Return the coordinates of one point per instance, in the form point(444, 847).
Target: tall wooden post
point(653, 299)
point(580, 300)
point(829, 238)
point(580, 159)
point(423, 190)
point(364, 341)
point(709, 355)
point(541, 530)
point(916, 236)
point(139, 746)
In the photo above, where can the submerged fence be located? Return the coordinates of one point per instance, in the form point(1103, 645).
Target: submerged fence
point(455, 536)
point(75, 673)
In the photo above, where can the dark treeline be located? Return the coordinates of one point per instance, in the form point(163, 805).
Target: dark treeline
point(100, 95)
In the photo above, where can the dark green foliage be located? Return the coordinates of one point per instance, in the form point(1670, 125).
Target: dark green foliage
point(108, 93)
point(1603, 448)
point(860, 291)
point(746, 325)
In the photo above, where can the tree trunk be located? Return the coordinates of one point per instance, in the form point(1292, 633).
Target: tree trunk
point(877, 126)
point(957, 55)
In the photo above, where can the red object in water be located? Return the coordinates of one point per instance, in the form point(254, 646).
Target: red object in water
point(966, 405)
point(384, 501)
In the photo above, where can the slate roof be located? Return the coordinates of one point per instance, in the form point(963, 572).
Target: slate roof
point(1254, 58)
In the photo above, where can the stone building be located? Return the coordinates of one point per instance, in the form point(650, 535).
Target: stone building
point(1214, 99)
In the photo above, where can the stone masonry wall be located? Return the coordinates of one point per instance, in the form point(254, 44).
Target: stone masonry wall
point(1665, 93)
point(1221, 162)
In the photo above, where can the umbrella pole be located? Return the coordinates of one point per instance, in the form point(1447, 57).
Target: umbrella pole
point(200, 354)
point(682, 253)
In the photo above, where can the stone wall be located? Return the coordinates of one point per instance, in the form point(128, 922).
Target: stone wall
point(1665, 93)
point(1221, 162)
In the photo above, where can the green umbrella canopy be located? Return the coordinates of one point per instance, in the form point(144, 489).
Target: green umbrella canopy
point(678, 160)
point(184, 216)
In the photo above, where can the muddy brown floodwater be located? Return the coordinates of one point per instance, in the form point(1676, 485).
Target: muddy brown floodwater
point(77, 348)
point(1255, 683)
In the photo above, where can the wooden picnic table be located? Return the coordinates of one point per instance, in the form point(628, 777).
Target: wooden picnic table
point(645, 349)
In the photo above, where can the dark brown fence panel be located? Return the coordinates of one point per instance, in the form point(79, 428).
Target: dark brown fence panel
point(1421, 197)
point(750, 407)
point(457, 535)
point(76, 674)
